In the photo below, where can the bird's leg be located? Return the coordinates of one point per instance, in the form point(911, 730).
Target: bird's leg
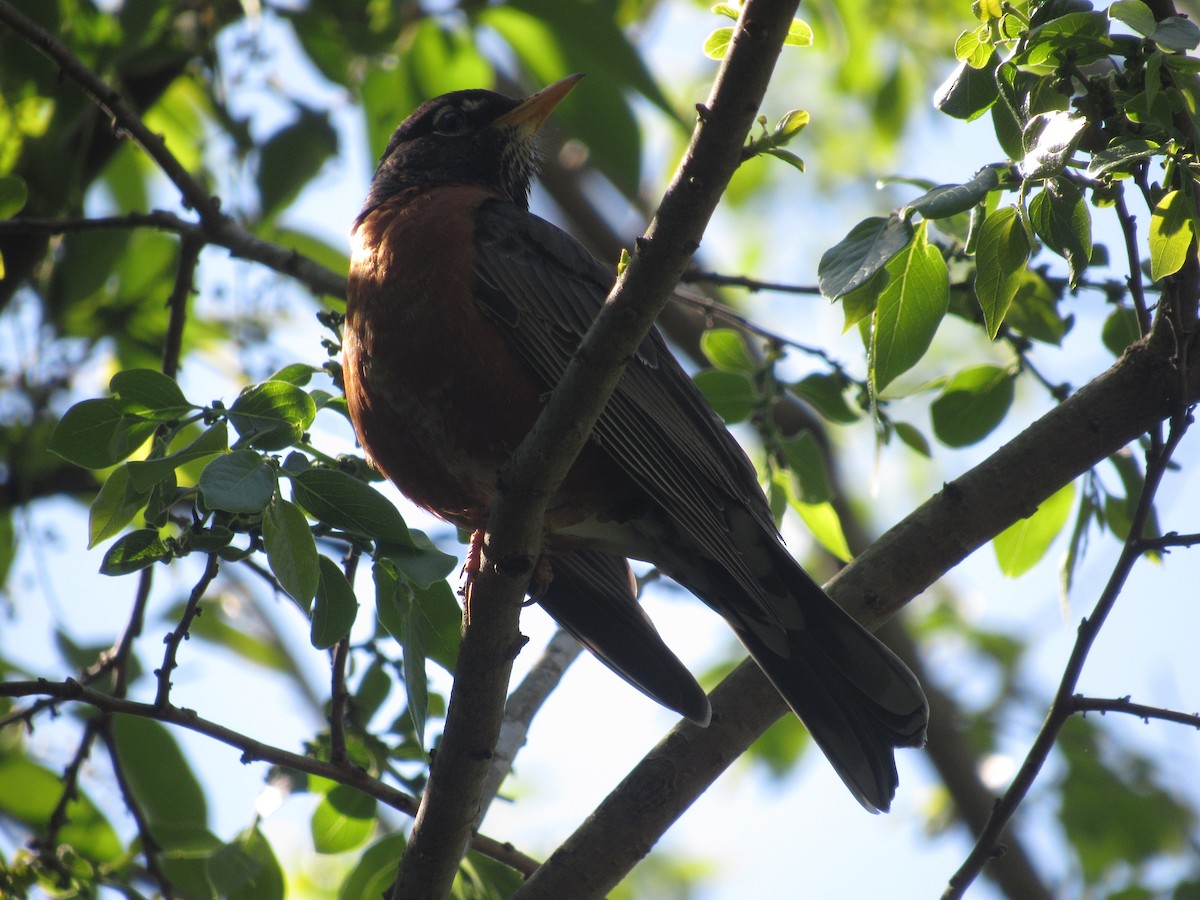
point(470, 569)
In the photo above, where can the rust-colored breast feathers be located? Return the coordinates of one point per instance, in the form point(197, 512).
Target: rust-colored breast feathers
point(437, 397)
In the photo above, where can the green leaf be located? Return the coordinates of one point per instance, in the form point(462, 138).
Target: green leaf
point(1177, 34)
point(372, 878)
point(822, 520)
point(343, 820)
point(1050, 140)
point(299, 374)
point(441, 622)
point(726, 9)
point(971, 405)
point(395, 605)
point(115, 505)
point(150, 393)
point(1079, 36)
point(726, 349)
point(858, 257)
point(1059, 215)
point(913, 438)
point(974, 47)
point(292, 157)
point(144, 474)
point(969, 91)
point(860, 302)
point(343, 502)
point(732, 394)
point(272, 415)
point(790, 124)
point(420, 560)
point(13, 195)
point(1022, 545)
point(237, 634)
point(31, 793)
point(247, 869)
point(1121, 155)
point(336, 606)
point(1120, 330)
point(238, 482)
point(787, 156)
point(909, 310)
point(135, 551)
point(1172, 231)
point(444, 58)
point(1115, 812)
point(826, 392)
point(1003, 249)
point(948, 200)
point(808, 464)
point(1135, 14)
point(291, 551)
point(1034, 311)
point(159, 776)
point(800, 34)
point(96, 434)
point(716, 45)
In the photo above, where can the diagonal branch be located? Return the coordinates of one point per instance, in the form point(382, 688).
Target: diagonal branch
point(491, 636)
point(1139, 391)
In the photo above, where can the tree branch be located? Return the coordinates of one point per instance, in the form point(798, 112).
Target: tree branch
point(253, 750)
point(1064, 705)
point(452, 796)
point(1139, 391)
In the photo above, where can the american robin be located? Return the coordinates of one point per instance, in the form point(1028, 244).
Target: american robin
point(463, 310)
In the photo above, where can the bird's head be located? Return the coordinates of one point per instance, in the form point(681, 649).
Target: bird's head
point(468, 137)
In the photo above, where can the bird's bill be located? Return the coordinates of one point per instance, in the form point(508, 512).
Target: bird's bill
point(536, 108)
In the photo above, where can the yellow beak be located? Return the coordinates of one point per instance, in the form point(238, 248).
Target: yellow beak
point(536, 108)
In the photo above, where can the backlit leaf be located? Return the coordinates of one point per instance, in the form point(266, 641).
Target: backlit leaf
point(1022, 545)
point(908, 310)
point(335, 608)
point(971, 405)
point(291, 550)
point(1172, 231)
point(860, 255)
point(1002, 251)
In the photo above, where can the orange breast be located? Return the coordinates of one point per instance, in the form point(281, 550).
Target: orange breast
point(436, 395)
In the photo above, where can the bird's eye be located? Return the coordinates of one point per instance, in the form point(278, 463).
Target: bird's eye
point(450, 121)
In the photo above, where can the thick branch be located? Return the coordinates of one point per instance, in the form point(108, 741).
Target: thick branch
point(452, 796)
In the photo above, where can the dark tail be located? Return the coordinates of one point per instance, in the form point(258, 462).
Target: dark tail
point(593, 596)
point(858, 700)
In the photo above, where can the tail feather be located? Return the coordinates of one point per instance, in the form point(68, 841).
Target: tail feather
point(594, 597)
point(858, 700)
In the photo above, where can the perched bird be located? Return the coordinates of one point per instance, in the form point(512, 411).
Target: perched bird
point(463, 311)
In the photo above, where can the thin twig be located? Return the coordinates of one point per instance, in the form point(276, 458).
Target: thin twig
point(180, 633)
point(177, 305)
point(150, 847)
point(339, 697)
point(252, 750)
point(754, 285)
point(125, 117)
point(1134, 279)
point(1063, 706)
point(1104, 705)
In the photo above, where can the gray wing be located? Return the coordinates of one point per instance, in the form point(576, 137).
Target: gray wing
point(543, 289)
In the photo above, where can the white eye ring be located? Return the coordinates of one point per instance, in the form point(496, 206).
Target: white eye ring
point(450, 120)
